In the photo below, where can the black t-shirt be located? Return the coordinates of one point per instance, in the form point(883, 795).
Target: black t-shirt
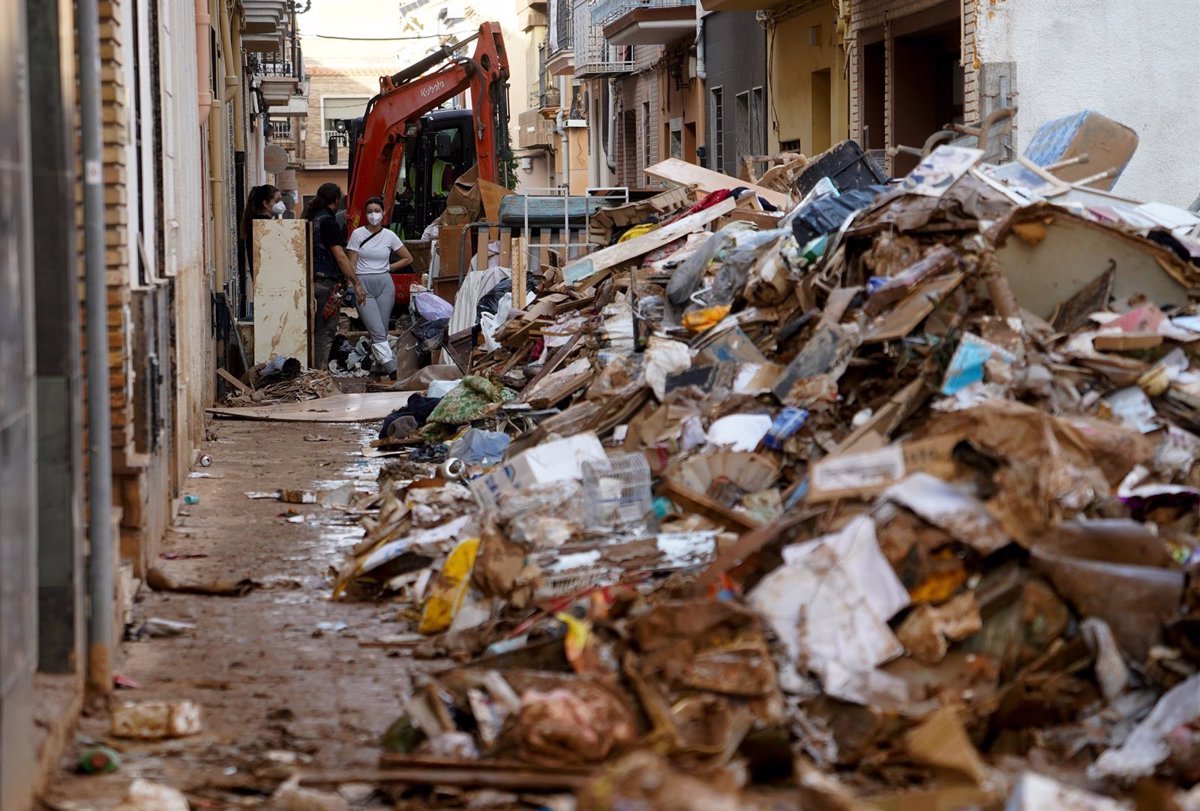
point(328, 236)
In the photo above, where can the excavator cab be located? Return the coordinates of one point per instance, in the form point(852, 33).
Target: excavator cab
point(434, 158)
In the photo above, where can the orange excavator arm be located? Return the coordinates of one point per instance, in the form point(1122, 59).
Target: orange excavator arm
point(405, 96)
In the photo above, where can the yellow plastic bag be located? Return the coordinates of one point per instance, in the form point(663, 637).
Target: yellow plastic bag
point(709, 317)
point(446, 596)
point(637, 231)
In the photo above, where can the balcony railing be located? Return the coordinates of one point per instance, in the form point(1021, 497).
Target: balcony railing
point(593, 55)
point(280, 129)
point(608, 11)
point(561, 29)
point(645, 22)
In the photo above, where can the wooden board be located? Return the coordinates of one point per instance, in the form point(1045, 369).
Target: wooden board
point(544, 249)
point(506, 248)
point(518, 272)
point(481, 248)
point(281, 311)
point(707, 181)
point(233, 381)
point(338, 408)
point(585, 271)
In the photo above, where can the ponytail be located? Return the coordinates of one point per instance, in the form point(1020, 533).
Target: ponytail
point(327, 194)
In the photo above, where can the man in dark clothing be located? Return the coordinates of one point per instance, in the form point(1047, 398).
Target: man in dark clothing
point(330, 264)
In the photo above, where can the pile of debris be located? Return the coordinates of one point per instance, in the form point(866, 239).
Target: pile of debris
point(889, 501)
point(280, 380)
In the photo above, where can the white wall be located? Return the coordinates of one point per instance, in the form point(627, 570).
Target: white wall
point(1135, 62)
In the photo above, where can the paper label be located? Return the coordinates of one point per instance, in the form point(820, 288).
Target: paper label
point(855, 473)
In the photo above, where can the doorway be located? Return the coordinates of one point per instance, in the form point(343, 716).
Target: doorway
point(821, 89)
point(928, 90)
point(874, 79)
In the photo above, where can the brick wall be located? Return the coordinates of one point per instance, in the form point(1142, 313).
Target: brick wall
point(972, 96)
point(872, 14)
point(333, 82)
point(115, 41)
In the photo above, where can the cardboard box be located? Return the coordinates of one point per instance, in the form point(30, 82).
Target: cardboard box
point(561, 460)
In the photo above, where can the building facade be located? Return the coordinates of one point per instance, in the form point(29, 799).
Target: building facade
point(735, 74)
point(134, 245)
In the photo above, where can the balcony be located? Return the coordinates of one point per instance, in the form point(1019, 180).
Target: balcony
point(534, 131)
point(549, 100)
point(560, 55)
point(282, 131)
point(594, 56)
point(267, 26)
point(741, 5)
point(646, 22)
point(279, 80)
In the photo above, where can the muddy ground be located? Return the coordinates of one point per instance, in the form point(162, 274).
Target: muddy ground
point(276, 674)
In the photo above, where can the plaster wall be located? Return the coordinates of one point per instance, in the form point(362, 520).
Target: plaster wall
point(1133, 62)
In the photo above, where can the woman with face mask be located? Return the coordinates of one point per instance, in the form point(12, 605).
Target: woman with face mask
point(371, 250)
point(263, 203)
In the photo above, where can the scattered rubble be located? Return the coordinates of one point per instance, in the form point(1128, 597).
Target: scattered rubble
point(888, 500)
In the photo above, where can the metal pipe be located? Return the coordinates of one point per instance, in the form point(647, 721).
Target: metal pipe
point(611, 151)
point(99, 427)
point(436, 58)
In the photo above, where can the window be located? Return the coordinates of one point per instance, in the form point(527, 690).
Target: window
point(718, 139)
point(676, 127)
point(338, 108)
point(647, 134)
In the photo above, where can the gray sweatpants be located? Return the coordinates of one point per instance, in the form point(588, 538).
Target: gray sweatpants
point(375, 312)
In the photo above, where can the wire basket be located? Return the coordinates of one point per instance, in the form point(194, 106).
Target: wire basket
point(616, 491)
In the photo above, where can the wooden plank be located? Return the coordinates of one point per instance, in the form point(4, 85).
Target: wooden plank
point(280, 311)
point(707, 181)
point(474, 773)
point(519, 257)
point(506, 247)
point(544, 249)
point(481, 248)
point(554, 362)
point(233, 381)
point(690, 499)
point(587, 270)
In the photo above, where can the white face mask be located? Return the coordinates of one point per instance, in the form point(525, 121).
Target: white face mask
point(375, 217)
point(278, 208)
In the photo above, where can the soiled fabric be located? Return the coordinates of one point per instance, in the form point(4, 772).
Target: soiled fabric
point(470, 401)
point(418, 407)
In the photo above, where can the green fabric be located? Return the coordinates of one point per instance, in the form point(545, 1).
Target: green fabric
point(469, 401)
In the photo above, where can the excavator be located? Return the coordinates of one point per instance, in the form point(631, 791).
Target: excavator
point(408, 152)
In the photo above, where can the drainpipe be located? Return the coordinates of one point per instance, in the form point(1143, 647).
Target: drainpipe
point(560, 127)
point(233, 80)
point(610, 153)
point(216, 167)
point(99, 428)
point(701, 62)
point(203, 49)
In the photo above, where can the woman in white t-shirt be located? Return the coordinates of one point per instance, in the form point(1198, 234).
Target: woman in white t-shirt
point(370, 249)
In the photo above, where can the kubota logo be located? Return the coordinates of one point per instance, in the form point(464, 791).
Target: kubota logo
point(429, 89)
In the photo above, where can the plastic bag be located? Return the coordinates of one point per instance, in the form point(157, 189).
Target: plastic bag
point(476, 446)
point(432, 307)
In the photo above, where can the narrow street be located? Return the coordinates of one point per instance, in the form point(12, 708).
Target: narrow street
point(746, 405)
point(266, 676)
